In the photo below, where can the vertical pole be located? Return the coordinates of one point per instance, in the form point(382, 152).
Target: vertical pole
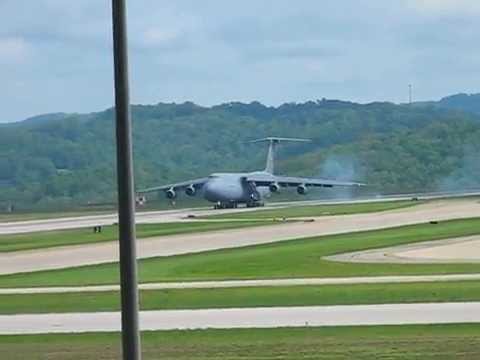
point(126, 196)
point(410, 93)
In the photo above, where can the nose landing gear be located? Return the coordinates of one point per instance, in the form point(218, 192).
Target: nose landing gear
point(255, 200)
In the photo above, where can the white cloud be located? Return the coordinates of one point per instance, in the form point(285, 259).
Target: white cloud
point(214, 51)
point(446, 7)
point(157, 37)
point(13, 50)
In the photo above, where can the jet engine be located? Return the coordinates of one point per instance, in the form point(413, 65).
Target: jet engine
point(302, 189)
point(171, 194)
point(190, 191)
point(274, 187)
point(140, 200)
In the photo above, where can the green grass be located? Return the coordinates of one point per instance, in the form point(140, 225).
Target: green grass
point(425, 342)
point(287, 259)
point(247, 297)
point(45, 239)
point(318, 210)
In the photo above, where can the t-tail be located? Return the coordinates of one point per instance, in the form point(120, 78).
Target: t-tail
point(273, 141)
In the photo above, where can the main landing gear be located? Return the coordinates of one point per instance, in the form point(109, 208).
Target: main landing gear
point(255, 204)
point(234, 205)
point(227, 205)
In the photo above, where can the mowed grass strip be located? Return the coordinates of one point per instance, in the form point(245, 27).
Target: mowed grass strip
point(287, 259)
point(318, 210)
point(247, 297)
point(45, 239)
point(456, 341)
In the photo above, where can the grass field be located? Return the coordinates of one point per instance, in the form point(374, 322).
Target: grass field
point(45, 239)
point(287, 259)
point(247, 297)
point(439, 342)
point(318, 210)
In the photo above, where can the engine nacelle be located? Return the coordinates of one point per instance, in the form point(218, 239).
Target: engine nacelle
point(302, 189)
point(170, 194)
point(274, 187)
point(190, 191)
point(140, 200)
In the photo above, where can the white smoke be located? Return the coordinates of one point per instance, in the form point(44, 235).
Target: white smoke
point(342, 168)
point(466, 176)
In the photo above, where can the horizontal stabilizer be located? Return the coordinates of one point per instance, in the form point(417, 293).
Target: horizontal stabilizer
point(278, 139)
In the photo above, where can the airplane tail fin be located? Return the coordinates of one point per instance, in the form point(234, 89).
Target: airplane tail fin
point(273, 141)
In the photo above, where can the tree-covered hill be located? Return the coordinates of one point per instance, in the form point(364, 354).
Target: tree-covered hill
point(464, 102)
point(69, 158)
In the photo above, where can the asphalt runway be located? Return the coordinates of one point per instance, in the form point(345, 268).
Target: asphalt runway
point(88, 254)
point(17, 227)
point(175, 215)
point(271, 317)
point(247, 283)
point(143, 217)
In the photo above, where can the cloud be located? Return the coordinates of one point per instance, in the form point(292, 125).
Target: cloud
point(214, 51)
point(157, 37)
point(446, 7)
point(14, 50)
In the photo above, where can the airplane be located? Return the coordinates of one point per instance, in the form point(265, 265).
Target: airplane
point(227, 190)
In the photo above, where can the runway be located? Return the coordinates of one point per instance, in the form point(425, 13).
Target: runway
point(88, 254)
point(175, 215)
point(269, 317)
point(17, 227)
point(247, 283)
point(142, 217)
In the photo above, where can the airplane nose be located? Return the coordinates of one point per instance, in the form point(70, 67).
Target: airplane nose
point(220, 190)
point(212, 191)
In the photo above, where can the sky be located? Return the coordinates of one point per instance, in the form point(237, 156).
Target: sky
point(56, 55)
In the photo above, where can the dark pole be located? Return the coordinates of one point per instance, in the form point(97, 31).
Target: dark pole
point(126, 195)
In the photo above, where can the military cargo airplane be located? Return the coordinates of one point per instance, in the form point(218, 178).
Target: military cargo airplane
point(227, 190)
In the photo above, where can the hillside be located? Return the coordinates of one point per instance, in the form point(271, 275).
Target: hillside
point(69, 158)
point(462, 102)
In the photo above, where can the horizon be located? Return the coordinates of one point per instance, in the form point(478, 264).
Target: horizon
point(238, 102)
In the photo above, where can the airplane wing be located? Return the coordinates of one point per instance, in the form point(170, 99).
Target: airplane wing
point(197, 183)
point(285, 181)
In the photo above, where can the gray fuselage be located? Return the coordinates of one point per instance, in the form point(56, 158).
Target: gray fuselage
point(233, 188)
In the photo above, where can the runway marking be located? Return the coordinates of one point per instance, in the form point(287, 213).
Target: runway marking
point(247, 283)
point(269, 317)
